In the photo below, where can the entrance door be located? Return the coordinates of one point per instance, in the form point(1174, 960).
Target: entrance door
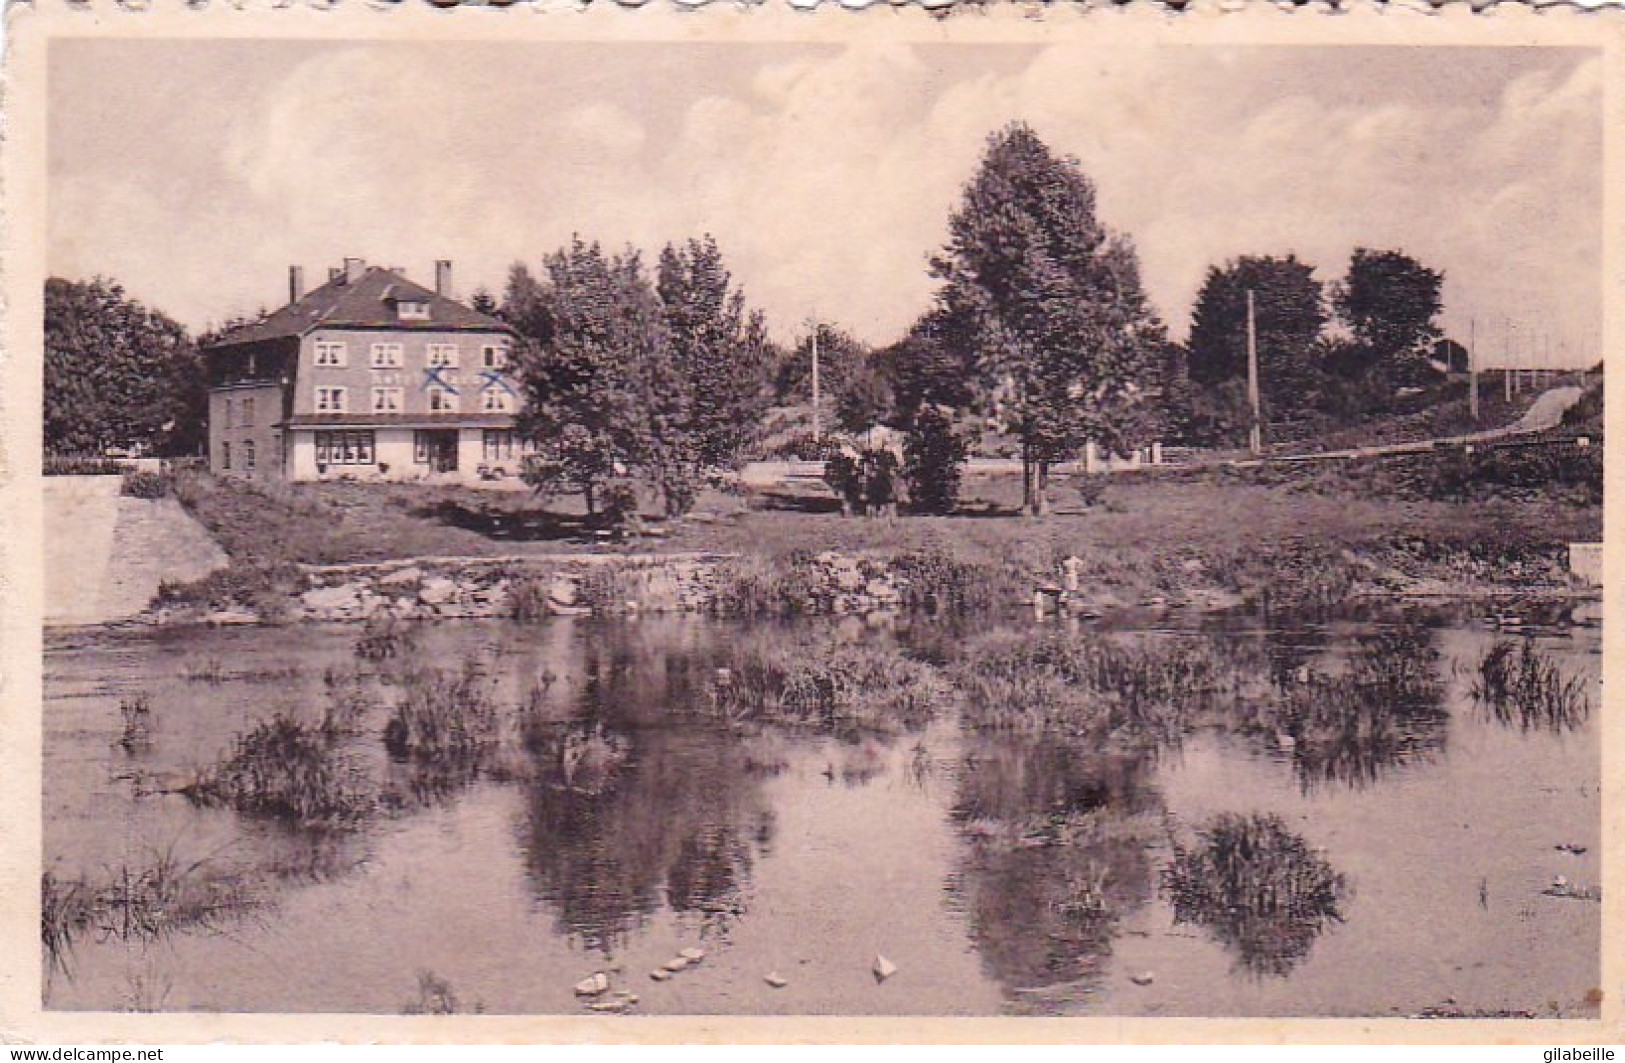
point(437, 448)
point(443, 451)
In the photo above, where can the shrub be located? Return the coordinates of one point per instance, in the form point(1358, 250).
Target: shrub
point(148, 485)
point(81, 465)
point(844, 475)
point(262, 587)
point(937, 581)
point(933, 461)
point(527, 598)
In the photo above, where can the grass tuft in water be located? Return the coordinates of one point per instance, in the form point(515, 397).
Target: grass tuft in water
point(443, 715)
point(135, 715)
point(140, 904)
point(385, 638)
point(288, 770)
point(828, 685)
point(1084, 685)
point(348, 701)
point(435, 997)
point(1522, 686)
point(209, 670)
point(1258, 888)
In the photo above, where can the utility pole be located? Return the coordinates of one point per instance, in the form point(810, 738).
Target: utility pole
point(1256, 436)
point(1472, 368)
point(1506, 357)
point(818, 435)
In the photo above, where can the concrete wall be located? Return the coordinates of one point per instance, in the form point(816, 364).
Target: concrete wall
point(107, 554)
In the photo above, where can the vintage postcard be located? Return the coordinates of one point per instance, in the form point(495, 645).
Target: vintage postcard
point(739, 524)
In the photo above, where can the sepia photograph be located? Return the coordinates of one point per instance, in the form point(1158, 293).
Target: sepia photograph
point(735, 526)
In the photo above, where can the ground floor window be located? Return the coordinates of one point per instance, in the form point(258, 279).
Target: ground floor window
point(225, 456)
point(248, 455)
point(344, 448)
point(505, 444)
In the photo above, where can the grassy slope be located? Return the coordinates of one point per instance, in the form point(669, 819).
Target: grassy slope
point(1152, 534)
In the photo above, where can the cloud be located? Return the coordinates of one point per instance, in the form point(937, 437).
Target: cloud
point(828, 174)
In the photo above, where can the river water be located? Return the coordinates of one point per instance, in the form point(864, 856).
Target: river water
point(1000, 873)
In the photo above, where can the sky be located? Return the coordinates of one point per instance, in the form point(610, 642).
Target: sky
point(194, 173)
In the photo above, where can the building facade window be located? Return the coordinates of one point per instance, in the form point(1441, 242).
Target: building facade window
point(442, 400)
point(248, 412)
point(225, 455)
point(227, 417)
point(344, 448)
point(494, 356)
point(248, 455)
point(442, 356)
point(330, 353)
point(496, 400)
point(420, 447)
point(505, 444)
point(330, 400)
point(386, 400)
point(386, 356)
point(412, 310)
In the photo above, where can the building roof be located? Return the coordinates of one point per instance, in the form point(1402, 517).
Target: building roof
point(368, 303)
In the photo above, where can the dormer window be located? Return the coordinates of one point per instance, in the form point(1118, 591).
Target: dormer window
point(412, 310)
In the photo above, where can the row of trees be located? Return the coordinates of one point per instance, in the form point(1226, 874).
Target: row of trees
point(1039, 322)
point(1385, 307)
point(1039, 327)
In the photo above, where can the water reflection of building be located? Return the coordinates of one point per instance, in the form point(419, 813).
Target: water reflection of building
point(1057, 850)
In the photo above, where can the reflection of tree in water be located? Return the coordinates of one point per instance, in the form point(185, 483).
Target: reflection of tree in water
point(625, 813)
point(1258, 889)
point(1057, 851)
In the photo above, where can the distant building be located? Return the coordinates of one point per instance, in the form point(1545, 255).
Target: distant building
point(369, 376)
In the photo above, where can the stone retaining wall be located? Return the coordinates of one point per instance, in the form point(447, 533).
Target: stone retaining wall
point(469, 588)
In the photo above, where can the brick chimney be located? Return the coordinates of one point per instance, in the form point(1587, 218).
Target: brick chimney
point(442, 277)
point(296, 283)
point(353, 269)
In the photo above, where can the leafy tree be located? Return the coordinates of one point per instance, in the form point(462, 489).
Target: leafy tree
point(527, 305)
point(589, 381)
point(625, 374)
point(1289, 316)
point(1057, 322)
point(483, 301)
point(934, 460)
point(719, 353)
point(118, 373)
point(926, 367)
point(1390, 301)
